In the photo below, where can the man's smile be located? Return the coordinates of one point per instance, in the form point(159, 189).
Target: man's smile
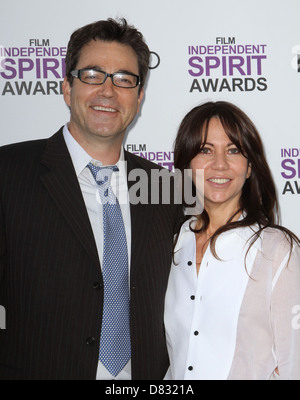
point(105, 109)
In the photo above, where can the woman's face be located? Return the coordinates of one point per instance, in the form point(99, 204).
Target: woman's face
point(225, 168)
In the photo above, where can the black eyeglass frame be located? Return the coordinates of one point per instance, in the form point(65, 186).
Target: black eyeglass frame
point(76, 73)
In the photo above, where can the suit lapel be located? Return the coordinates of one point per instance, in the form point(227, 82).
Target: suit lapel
point(141, 217)
point(62, 184)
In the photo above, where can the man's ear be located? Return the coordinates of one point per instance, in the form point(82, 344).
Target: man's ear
point(67, 92)
point(140, 99)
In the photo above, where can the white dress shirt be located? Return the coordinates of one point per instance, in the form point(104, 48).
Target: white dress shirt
point(233, 321)
point(93, 204)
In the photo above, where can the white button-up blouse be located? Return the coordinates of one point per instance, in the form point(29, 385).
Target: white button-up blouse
point(235, 320)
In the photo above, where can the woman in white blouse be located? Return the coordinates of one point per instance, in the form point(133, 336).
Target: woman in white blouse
point(232, 308)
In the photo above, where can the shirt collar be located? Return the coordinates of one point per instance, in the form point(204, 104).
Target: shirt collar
point(81, 158)
point(246, 233)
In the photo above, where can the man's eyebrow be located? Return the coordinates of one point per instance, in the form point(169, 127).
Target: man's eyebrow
point(92, 67)
point(125, 71)
point(120, 71)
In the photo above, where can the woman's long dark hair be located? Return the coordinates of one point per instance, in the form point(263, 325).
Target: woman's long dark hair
point(259, 199)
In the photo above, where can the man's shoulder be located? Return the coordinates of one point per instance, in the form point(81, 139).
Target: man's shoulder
point(24, 150)
point(20, 147)
point(22, 154)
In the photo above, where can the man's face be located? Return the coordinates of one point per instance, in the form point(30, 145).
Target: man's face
point(102, 113)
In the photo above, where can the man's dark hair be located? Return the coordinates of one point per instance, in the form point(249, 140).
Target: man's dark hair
point(108, 30)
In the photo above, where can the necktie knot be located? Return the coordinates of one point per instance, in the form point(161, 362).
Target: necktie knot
point(102, 176)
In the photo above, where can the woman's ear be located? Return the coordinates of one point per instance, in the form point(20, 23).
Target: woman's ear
point(249, 170)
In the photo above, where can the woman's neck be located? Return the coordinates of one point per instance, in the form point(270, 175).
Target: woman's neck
point(219, 216)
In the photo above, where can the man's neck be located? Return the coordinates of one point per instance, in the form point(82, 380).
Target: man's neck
point(102, 149)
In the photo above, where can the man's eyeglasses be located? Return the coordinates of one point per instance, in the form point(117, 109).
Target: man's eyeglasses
point(93, 76)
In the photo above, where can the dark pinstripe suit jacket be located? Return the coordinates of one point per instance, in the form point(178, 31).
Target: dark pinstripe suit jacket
point(50, 276)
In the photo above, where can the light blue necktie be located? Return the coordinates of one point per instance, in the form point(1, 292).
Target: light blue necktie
point(115, 346)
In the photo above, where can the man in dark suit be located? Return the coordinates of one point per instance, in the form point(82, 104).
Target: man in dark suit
point(51, 237)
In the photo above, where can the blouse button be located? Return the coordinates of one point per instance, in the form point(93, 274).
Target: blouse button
point(192, 297)
point(190, 263)
point(196, 333)
point(190, 368)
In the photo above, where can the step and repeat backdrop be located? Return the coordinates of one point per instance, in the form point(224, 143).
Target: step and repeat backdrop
point(244, 52)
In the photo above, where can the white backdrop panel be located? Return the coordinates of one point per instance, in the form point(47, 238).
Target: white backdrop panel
point(240, 51)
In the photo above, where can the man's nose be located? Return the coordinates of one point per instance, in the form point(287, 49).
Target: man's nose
point(107, 88)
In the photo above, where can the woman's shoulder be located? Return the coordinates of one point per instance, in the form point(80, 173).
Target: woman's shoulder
point(277, 243)
point(277, 236)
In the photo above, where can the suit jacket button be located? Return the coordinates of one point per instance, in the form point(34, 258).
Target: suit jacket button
point(90, 341)
point(97, 285)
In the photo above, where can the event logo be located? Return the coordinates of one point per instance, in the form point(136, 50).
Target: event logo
point(154, 60)
point(227, 66)
point(162, 158)
point(38, 68)
point(290, 165)
point(296, 58)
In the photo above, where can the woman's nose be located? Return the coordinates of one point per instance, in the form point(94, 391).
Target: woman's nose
point(220, 161)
